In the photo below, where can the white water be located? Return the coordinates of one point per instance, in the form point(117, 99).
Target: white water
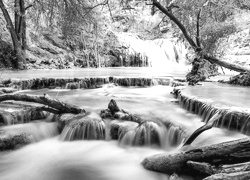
point(52, 159)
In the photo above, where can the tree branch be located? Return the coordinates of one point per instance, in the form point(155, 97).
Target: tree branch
point(60, 106)
point(177, 22)
point(198, 29)
point(203, 128)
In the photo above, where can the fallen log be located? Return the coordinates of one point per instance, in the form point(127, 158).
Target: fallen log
point(236, 151)
point(230, 176)
point(203, 167)
point(55, 104)
point(206, 168)
point(203, 128)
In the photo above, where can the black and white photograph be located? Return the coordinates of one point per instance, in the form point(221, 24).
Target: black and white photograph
point(124, 89)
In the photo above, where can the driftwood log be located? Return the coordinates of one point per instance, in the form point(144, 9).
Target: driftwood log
point(55, 105)
point(239, 171)
point(236, 151)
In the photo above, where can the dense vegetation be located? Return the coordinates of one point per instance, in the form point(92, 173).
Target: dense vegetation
point(63, 34)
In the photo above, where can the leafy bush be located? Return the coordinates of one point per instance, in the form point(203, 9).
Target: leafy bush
point(213, 32)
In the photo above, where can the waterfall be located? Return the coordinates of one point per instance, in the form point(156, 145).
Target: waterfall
point(153, 134)
point(233, 119)
point(36, 131)
point(16, 114)
point(88, 127)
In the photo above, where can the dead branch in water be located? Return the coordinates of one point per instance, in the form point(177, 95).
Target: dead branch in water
point(54, 104)
point(203, 128)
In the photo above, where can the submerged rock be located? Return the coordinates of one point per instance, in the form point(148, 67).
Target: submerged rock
point(65, 119)
point(14, 113)
point(10, 142)
point(119, 128)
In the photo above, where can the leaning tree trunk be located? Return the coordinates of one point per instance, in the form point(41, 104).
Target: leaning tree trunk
point(19, 62)
point(195, 46)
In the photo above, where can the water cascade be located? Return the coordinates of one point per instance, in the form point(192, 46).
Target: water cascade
point(11, 113)
point(35, 131)
point(233, 119)
point(152, 134)
point(89, 127)
point(69, 153)
point(84, 83)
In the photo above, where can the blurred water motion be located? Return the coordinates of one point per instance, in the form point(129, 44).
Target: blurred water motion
point(53, 159)
point(89, 160)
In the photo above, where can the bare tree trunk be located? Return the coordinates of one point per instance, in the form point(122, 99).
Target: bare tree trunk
point(236, 151)
point(195, 46)
point(20, 55)
point(56, 104)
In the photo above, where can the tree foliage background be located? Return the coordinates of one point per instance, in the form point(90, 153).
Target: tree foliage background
point(86, 30)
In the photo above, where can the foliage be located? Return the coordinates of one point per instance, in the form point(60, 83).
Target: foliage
point(215, 20)
point(213, 32)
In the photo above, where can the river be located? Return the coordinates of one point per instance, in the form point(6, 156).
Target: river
point(50, 158)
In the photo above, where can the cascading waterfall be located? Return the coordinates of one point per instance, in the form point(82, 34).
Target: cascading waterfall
point(175, 136)
point(85, 128)
point(148, 133)
point(230, 119)
point(36, 130)
point(85, 83)
point(17, 116)
point(152, 134)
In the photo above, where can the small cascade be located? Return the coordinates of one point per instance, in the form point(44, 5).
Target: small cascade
point(85, 83)
point(231, 119)
point(35, 131)
point(6, 118)
point(119, 128)
point(175, 136)
point(73, 85)
point(14, 115)
point(152, 134)
point(89, 127)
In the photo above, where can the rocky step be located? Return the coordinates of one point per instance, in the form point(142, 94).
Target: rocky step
point(83, 83)
point(14, 113)
point(232, 118)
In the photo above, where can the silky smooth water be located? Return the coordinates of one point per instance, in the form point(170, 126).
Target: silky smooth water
point(221, 94)
point(53, 159)
point(50, 158)
point(173, 71)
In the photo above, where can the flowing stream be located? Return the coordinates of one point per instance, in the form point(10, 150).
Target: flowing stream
point(52, 156)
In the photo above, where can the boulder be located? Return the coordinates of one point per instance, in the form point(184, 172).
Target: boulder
point(10, 142)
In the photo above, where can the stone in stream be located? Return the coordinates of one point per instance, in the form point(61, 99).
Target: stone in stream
point(119, 128)
point(14, 113)
point(65, 119)
point(114, 112)
point(113, 106)
point(10, 142)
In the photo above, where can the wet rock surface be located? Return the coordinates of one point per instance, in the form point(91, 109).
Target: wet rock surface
point(14, 113)
point(10, 142)
point(114, 112)
point(11, 85)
